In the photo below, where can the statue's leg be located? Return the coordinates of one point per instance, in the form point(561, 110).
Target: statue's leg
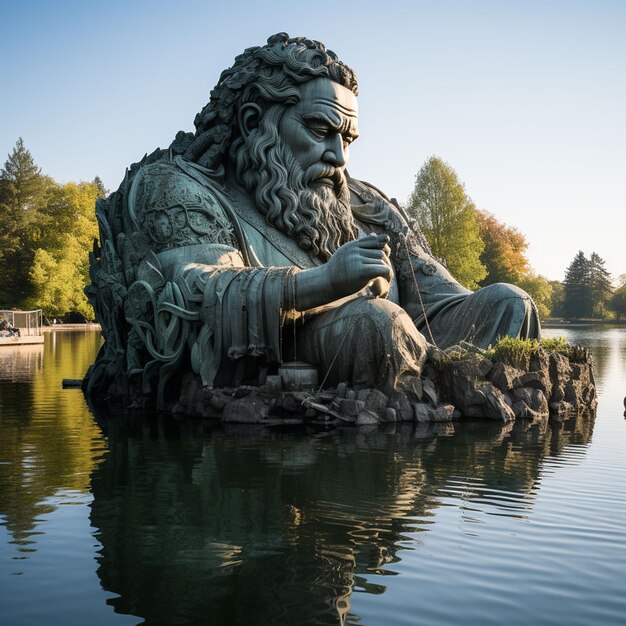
point(367, 342)
point(483, 317)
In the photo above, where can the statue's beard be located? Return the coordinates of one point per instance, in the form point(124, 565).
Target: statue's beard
point(315, 214)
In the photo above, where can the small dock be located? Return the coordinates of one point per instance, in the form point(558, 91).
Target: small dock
point(20, 328)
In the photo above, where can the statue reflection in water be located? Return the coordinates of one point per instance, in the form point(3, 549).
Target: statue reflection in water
point(256, 526)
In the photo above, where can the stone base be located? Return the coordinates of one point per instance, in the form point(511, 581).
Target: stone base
point(467, 386)
point(548, 383)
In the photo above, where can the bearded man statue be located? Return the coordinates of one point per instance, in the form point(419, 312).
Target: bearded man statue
point(247, 244)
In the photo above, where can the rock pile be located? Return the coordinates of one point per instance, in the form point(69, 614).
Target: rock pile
point(463, 385)
point(547, 383)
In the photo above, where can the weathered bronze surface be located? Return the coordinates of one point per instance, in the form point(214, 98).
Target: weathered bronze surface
point(247, 244)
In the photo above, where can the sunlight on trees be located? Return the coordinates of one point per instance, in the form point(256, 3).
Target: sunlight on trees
point(448, 218)
point(587, 287)
point(46, 233)
point(504, 255)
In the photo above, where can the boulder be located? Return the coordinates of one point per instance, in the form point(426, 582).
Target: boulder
point(529, 403)
point(249, 409)
point(366, 418)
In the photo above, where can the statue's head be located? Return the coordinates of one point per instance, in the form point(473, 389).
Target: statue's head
point(281, 120)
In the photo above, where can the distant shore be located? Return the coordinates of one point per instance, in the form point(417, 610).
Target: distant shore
point(67, 327)
point(552, 323)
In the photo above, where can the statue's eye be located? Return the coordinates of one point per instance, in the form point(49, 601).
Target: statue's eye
point(319, 131)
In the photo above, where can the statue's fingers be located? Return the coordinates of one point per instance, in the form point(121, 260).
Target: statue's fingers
point(373, 253)
point(379, 268)
point(373, 242)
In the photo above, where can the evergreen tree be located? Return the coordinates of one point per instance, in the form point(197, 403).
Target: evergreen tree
point(448, 219)
point(577, 297)
point(600, 287)
point(22, 182)
point(103, 192)
point(23, 194)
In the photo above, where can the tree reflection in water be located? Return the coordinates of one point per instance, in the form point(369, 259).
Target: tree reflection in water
point(258, 526)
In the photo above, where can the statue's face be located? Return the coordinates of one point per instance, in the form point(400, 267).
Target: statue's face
point(320, 128)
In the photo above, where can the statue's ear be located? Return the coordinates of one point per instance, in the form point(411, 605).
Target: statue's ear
point(248, 118)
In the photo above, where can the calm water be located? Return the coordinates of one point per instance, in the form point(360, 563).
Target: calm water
point(148, 520)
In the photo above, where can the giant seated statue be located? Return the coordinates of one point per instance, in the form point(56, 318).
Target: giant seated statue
point(247, 244)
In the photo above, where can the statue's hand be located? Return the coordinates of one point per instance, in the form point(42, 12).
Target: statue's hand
point(359, 263)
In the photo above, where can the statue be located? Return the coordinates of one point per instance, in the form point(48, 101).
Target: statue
point(247, 244)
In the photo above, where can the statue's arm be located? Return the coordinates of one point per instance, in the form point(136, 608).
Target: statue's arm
point(351, 268)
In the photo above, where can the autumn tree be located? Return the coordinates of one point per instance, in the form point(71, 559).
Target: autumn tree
point(504, 255)
point(449, 220)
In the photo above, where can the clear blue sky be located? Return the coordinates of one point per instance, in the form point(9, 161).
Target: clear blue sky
point(526, 100)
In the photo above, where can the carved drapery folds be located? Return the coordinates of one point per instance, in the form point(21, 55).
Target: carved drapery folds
point(166, 273)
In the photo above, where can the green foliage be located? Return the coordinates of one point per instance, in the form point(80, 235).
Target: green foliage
point(557, 298)
point(555, 344)
point(46, 233)
point(600, 287)
point(24, 192)
point(517, 352)
point(60, 268)
point(504, 255)
point(576, 302)
point(540, 290)
point(513, 350)
point(617, 302)
point(587, 287)
point(449, 221)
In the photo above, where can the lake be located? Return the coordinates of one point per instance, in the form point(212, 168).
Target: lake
point(150, 520)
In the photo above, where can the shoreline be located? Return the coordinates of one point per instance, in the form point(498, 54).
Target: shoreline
point(89, 326)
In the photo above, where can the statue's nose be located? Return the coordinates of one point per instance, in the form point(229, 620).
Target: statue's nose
point(335, 152)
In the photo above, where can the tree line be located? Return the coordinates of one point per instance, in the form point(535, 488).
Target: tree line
point(480, 250)
point(46, 232)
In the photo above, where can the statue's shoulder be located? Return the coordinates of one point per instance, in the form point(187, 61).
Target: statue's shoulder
point(175, 203)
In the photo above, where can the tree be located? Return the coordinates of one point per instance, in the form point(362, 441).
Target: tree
point(617, 302)
point(540, 289)
point(448, 219)
point(23, 194)
point(600, 287)
point(557, 299)
point(103, 192)
point(60, 268)
point(577, 300)
point(504, 255)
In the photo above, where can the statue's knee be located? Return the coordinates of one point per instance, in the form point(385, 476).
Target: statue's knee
point(381, 314)
point(509, 295)
point(389, 321)
point(516, 308)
